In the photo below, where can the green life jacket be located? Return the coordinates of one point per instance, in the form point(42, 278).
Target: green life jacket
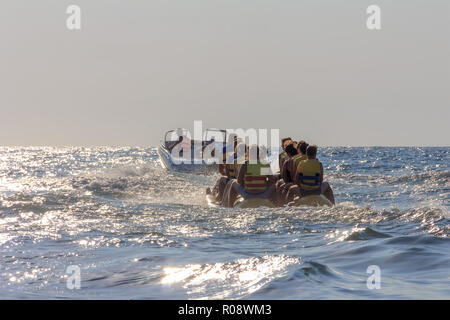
point(255, 180)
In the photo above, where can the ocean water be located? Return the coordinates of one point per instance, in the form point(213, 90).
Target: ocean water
point(136, 231)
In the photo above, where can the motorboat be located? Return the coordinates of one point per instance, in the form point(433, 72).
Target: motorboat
point(178, 152)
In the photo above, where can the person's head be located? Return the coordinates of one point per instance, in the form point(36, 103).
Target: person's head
point(291, 150)
point(285, 142)
point(302, 146)
point(311, 152)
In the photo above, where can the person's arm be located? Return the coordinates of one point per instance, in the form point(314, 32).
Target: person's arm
point(272, 179)
point(292, 170)
point(296, 178)
point(241, 174)
point(285, 172)
point(281, 160)
point(321, 173)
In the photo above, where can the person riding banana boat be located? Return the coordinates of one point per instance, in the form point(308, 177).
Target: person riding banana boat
point(297, 168)
point(290, 169)
point(309, 179)
point(240, 156)
point(286, 179)
point(283, 156)
point(254, 183)
point(227, 169)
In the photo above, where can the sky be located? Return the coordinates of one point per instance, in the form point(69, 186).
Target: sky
point(311, 69)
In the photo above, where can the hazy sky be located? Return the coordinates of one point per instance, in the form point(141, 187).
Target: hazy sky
point(310, 68)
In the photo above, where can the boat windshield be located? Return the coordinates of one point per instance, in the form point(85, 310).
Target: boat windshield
point(216, 134)
point(174, 135)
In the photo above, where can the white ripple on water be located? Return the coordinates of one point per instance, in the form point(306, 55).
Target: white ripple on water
point(236, 279)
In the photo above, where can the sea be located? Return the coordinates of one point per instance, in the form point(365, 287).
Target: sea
point(113, 223)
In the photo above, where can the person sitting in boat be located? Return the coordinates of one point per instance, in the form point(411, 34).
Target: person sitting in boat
point(286, 174)
point(254, 180)
point(283, 155)
point(240, 156)
point(290, 168)
point(286, 179)
point(309, 178)
point(227, 168)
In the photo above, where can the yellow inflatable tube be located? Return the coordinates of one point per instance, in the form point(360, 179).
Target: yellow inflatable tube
point(253, 203)
point(312, 201)
point(242, 203)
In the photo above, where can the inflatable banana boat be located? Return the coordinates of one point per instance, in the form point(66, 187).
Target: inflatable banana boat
point(311, 201)
point(242, 203)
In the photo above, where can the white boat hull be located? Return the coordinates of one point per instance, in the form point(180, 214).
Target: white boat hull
point(178, 166)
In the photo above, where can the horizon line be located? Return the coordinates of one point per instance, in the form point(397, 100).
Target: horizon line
point(149, 146)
